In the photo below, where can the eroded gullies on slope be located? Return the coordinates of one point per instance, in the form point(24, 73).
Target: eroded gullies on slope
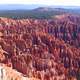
point(38, 48)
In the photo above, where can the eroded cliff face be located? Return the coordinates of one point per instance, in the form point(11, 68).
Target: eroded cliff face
point(7, 73)
point(42, 49)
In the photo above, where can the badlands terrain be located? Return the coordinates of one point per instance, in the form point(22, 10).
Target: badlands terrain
point(40, 49)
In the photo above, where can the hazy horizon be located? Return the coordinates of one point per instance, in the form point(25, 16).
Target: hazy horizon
point(31, 6)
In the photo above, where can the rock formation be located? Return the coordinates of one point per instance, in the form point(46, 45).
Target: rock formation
point(42, 49)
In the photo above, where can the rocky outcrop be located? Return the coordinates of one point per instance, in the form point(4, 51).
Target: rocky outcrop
point(7, 73)
point(41, 49)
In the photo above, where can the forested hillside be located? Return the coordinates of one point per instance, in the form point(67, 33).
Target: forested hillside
point(37, 13)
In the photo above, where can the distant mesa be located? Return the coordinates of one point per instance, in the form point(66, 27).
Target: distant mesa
point(44, 9)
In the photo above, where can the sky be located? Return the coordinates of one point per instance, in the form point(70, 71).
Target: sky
point(43, 2)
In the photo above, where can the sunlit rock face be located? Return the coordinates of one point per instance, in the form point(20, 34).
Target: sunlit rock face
point(7, 73)
point(40, 49)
